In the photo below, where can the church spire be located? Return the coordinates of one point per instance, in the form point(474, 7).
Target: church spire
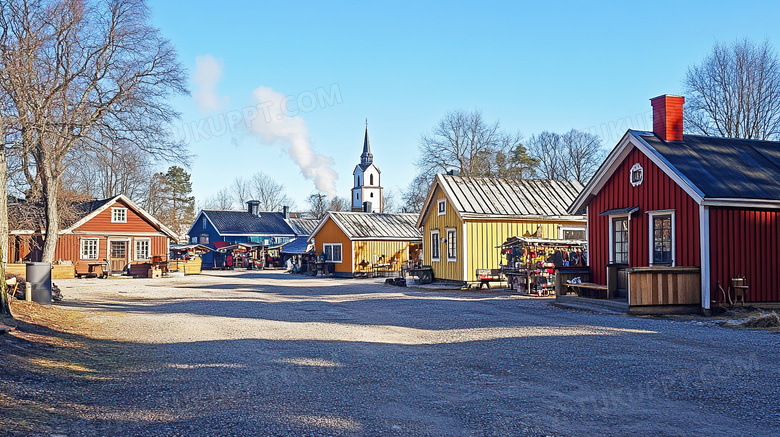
point(366, 158)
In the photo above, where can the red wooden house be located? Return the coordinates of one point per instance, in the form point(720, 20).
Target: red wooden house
point(673, 218)
point(114, 234)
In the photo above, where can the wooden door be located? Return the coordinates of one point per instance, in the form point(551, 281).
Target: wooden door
point(118, 253)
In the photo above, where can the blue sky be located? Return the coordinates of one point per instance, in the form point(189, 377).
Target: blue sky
point(532, 65)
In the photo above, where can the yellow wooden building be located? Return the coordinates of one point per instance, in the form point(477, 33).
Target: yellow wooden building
point(358, 243)
point(465, 219)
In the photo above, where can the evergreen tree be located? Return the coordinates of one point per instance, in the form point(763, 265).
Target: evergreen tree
point(171, 199)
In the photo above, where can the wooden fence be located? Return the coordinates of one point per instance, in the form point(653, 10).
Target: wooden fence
point(57, 271)
point(189, 267)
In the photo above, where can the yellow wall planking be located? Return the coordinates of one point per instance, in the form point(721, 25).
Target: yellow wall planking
point(368, 253)
point(482, 240)
point(485, 237)
point(443, 269)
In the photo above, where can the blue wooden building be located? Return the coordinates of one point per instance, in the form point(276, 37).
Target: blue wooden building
point(219, 228)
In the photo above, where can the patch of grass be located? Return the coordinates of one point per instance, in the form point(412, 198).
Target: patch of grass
point(771, 320)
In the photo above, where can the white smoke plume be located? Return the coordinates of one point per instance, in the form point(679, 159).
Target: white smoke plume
point(275, 126)
point(208, 73)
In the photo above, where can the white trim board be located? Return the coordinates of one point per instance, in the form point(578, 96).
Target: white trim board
point(650, 232)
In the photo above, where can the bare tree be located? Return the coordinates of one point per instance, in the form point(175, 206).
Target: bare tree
point(415, 193)
point(77, 70)
point(466, 142)
point(548, 149)
point(5, 308)
point(318, 205)
point(105, 171)
point(390, 202)
point(575, 155)
point(223, 200)
point(242, 191)
point(339, 204)
point(269, 193)
point(582, 155)
point(735, 92)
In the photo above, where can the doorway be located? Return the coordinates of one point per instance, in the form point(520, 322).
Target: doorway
point(119, 256)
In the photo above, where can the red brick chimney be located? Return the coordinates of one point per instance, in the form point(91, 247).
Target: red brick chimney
point(668, 117)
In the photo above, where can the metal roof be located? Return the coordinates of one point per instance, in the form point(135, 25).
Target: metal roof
point(621, 211)
point(303, 226)
point(375, 226)
point(724, 167)
point(243, 223)
point(296, 246)
point(475, 197)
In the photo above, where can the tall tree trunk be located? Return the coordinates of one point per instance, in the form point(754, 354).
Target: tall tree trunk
point(5, 309)
point(50, 183)
point(3, 199)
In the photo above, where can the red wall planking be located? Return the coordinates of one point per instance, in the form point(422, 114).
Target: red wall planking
point(657, 192)
point(745, 243)
point(102, 222)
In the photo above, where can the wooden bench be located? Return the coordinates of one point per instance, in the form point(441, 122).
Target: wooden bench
point(589, 289)
point(486, 276)
point(92, 269)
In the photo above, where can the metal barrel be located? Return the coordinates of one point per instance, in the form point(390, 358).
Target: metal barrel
point(39, 277)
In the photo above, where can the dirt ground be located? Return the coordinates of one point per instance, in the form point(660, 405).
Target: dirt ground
point(266, 353)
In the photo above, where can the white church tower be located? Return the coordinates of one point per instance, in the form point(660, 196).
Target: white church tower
point(367, 184)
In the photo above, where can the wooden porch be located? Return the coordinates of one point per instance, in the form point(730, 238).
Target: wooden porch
point(651, 290)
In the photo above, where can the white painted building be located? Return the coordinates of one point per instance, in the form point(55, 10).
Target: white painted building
point(367, 181)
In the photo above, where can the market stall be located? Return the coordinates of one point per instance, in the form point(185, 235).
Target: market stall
point(246, 255)
point(532, 263)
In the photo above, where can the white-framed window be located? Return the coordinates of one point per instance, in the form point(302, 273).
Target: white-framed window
point(90, 248)
point(332, 252)
point(441, 206)
point(618, 239)
point(194, 240)
point(204, 238)
point(204, 223)
point(637, 175)
point(662, 240)
point(118, 215)
point(435, 248)
point(142, 249)
point(452, 245)
point(572, 233)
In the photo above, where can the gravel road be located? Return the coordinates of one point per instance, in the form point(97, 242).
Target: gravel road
point(239, 353)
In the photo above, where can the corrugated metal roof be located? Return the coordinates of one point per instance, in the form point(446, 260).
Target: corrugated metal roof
point(244, 223)
point(303, 226)
point(509, 197)
point(364, 225)
point(724, 167)
point(296, 246)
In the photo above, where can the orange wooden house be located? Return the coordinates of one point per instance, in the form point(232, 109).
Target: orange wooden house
point(112, 234)
point(363, 243)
